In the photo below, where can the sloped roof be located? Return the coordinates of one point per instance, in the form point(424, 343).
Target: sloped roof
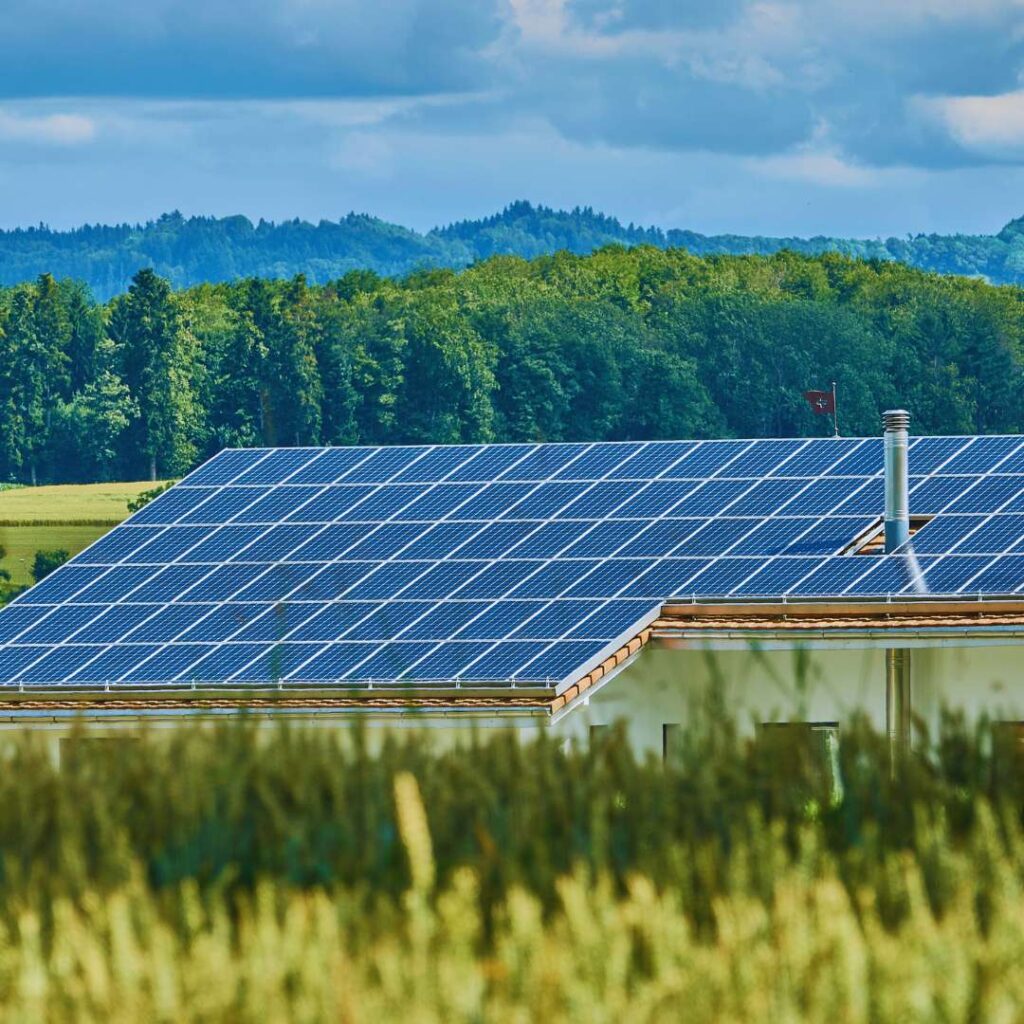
point(483, 566)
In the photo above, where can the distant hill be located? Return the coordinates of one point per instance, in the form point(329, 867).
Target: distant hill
point(193, 250)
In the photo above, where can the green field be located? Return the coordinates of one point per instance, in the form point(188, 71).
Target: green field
point(216, 874)
point(67, 516)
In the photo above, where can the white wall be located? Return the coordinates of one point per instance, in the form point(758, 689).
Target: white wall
point(662, 685)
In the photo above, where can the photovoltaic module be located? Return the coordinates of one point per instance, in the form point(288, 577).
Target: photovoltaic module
point(491, 565)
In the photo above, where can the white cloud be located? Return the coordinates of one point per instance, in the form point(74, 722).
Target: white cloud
point(990, 125)
point(817, 168)
point(56, 129)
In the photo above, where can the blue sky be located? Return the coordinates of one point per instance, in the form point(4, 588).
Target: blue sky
point(845, 117)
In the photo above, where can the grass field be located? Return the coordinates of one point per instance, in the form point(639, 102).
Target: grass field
point(66, 516)
point(220, 874)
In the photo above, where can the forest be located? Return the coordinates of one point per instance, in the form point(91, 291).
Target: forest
point(625, 343)
point(196, 250)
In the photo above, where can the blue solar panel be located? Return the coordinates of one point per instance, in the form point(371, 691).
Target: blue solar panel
point(764, 458)
point(653, 460)
point(865, 460)
point(389, 661)
point(331, 664)
point(501, 661)
point(382, 465)
point(499, 620)
point(224, 505)
point(557, 662)
point(710, 458)
point(545, 501)
point(544, 462)
point(171, 505)
point(817, 457)
point(329, 504)
point(383, 503)
point(353, 563)
point(225, 466)
point(440, 540)
point(445, 620)
point(892, 575)
point(116, 584)
point(277, 621)
point(333, 621)
point(113, 623)
point(927, 454)
point(447, 663)
point(984, 455)
point(113, 663)
point(988, 496)
point(168, 623)
point(943, 533)
point(491, 462)
point(278, 466)
point(276, 663)
point(1001, 576)
point(599, 461)
point(779, 575)
point(601, 500)
point(332, 465)
point(436, 465)
point(611, 620)
point(440, 501)
point(277, 503)
point(166, 664)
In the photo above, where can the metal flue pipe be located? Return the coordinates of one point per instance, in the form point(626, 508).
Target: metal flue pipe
point(897, 478)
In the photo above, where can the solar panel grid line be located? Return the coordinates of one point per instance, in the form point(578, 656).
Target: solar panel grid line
point(529, 450)
point(762, 520)
point(870, 567)
point(321, 453)
point(612, 473)
point(123, 598)
point(398, 472)
point(28, 667)
point(608, 649)
point(661, 475)
point(736, 498)
point(539, 485)
point(510, 470)
point(431, 564)
point(972, 531)
point(963, 589)
point(581, 454)
point(821, 476)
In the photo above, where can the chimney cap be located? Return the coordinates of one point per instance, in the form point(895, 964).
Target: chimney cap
point(896, 419)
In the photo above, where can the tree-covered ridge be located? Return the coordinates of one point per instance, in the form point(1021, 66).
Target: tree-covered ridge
point(623, 344)
point(207, 249)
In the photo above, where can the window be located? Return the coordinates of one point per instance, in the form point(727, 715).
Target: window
point(805, 753)
point(671, 735)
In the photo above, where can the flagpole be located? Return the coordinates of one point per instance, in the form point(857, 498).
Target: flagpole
point(835, 411)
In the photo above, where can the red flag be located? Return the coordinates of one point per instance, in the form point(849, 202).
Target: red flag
point(821, 402)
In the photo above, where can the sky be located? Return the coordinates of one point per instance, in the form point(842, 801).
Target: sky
point(840, 117)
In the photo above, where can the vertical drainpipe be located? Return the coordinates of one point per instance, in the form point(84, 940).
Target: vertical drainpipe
point(897, 533)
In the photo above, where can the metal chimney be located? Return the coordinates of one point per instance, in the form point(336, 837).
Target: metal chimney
point(897, 500)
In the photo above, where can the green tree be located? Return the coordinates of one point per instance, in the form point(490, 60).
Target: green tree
point(157, 361)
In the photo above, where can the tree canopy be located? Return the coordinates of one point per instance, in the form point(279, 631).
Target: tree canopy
point(625, 343)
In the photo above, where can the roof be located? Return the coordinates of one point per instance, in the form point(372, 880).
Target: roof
point(488, 566)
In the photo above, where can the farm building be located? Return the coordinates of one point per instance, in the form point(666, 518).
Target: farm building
point(557, 586)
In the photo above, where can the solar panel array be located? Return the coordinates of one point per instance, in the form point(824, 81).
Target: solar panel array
point(490, 564)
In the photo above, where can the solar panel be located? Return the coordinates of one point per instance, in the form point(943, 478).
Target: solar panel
point(491, 564)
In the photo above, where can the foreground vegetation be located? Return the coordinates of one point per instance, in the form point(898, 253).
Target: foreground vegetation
point(639, 343)
point(222, 874)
